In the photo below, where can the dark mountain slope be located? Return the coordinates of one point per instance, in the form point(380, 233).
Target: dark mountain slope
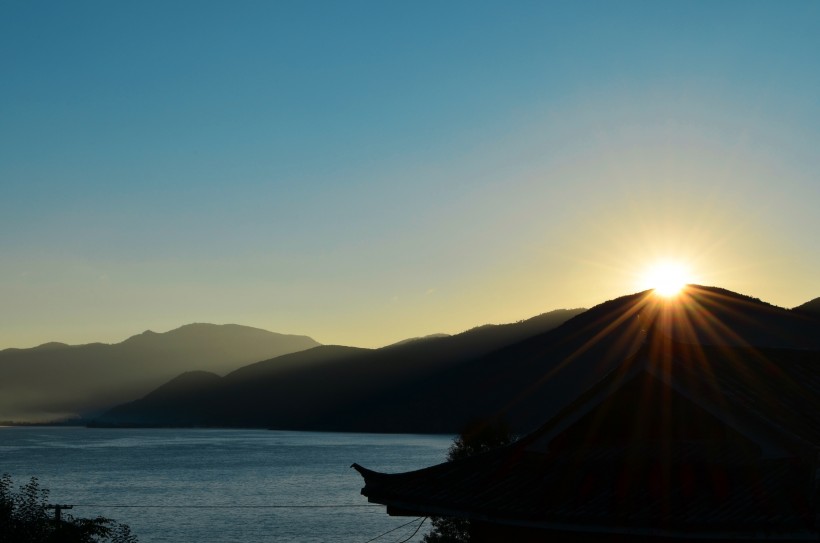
point(714, 316)
point(431, 386)
point(529, 381)
point(56, 380)
point(302, 389)
point(513, 380)
point(247, 397)
point(810, 308)
point(420, 338)
point(179, 394)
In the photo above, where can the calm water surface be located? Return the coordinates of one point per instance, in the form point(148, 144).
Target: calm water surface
point(183, 470)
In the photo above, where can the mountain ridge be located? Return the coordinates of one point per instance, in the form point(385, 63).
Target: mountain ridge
point(525, 380)
point(351, 371)
point(812, 308)
point(54, 381)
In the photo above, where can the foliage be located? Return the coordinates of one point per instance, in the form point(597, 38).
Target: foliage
point(477, 437)
point(448, 530)
point(25, 519)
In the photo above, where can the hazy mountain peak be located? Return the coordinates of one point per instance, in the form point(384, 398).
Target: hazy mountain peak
point(85, 378)
point(52, 345)
point(208, 332)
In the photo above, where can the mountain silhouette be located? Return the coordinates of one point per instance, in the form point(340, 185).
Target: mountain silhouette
point(299, 390)
point(810, 308)
point(420, 338)
point(55, 380)
point(528, 382)
point(440, 384)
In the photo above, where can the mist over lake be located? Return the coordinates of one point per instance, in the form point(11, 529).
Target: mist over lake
point(217, 485)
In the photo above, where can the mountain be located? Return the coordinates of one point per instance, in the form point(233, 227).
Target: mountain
point(299, 390)
point(438, 385)
point(54, 380)
point(810, 308)
point(420, 338)
point(528, 382)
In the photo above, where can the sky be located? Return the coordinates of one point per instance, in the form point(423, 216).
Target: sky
point(364, 172)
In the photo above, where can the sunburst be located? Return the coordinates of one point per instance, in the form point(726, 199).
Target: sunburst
point(667, 278)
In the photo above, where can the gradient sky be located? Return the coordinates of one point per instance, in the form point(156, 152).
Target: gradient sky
point(362, 172)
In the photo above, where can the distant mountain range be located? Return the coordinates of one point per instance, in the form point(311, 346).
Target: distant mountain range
point(523, 372)
point(205, 374)
point(55, 380)
point(300, 390)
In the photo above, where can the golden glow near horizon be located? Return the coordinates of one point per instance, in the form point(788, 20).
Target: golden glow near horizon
point(667, 278)
point(403, 213)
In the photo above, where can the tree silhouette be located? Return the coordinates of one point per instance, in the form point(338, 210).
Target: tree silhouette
point(25, 519)
point(476, 438)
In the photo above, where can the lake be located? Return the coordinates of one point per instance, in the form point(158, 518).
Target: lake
point(249, 486)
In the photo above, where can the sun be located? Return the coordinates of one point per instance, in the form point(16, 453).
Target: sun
point(667, 279)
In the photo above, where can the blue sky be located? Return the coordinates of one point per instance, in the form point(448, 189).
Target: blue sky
point(366, 171)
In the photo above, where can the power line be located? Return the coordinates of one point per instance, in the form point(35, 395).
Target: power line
point(415, 532)
point(303, 506)
point(306, 506)
point(396, 528)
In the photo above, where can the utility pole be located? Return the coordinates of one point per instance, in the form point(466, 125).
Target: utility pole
point(58, 510)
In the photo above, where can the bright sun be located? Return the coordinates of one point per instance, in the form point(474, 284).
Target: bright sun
point(667, 278)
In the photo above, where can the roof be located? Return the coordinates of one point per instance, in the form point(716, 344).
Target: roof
point(770, 396)
point(550, 491)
